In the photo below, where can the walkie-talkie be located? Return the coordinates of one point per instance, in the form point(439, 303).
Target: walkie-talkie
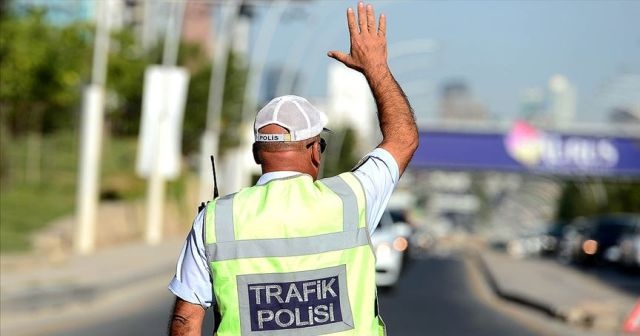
point(215, 185)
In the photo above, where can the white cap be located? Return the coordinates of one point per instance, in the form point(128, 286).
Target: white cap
point(296, 114)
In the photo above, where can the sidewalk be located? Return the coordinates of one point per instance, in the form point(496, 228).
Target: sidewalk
point(29, 286)
point(557, 290)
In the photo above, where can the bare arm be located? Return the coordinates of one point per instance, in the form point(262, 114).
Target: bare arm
point(186, 319)
point(368, 55)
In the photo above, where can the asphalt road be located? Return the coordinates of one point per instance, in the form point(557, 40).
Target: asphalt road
point(434, 297)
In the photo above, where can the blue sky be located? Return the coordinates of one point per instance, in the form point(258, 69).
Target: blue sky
point(498, 47)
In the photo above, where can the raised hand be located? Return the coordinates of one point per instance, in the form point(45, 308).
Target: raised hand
point(368, 44)
point(368, 55)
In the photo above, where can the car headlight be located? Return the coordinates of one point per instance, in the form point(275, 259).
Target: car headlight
point(383, 249)
point(590, 247)
point(400, 244)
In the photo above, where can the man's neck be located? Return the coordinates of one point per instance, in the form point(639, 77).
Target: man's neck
point(273, 175)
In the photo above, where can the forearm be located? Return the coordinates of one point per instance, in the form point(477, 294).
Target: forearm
point(186, 319)
point(395, 115)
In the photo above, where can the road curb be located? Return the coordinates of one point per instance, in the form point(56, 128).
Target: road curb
point(586, 313)
point(513, 297)
point(58, 295)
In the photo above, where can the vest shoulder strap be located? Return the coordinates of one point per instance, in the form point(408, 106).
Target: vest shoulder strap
point(347, 194)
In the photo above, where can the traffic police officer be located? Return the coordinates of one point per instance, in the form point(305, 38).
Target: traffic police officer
point(291, 255)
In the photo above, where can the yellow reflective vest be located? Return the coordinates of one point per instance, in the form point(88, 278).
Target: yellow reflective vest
point(293, 257)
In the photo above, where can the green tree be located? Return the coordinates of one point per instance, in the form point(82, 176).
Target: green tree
point(195, 113)
point(125, 80)
point(341, 152)
point(125, 76)
point(197, 105)
point(235, 82)
point(574, 203)
point(623, 197)
point(588, 198)
point(43, 68)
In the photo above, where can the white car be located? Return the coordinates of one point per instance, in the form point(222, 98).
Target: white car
point(390, 245)
point(628, 249)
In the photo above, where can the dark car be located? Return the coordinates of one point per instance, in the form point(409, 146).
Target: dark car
point(600, 236)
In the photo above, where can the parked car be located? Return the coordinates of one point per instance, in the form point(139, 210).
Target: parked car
point(524, 246)
point(550, 240)
point(541, 241)
point(401, 221)
point(569, 249)
point(626, 252)
point(390, 246)
point(597, 240)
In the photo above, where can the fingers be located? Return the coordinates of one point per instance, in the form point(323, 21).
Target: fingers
point(340, 56)
point(362, 17)
point(366, 20)
point(371, 19)
point(382, 26)
point(351, 22)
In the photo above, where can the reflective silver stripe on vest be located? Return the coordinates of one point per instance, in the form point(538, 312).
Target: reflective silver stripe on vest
point(224, 219)
point(350, 212)
point(228, 248)
point(286, 247)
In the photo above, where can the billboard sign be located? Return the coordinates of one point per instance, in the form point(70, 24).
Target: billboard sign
point(528, 149)
point(163, 101)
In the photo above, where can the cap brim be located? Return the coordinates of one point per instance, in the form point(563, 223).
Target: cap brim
point(324, 129)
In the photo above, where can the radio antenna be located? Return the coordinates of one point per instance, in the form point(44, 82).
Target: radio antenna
point(215, 181)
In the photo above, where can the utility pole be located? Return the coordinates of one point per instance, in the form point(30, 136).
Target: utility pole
point(91, 137)
point(209, 142)
point(156, 184)
point(239, 177)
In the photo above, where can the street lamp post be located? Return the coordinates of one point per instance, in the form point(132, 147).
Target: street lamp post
point(239, 177)
point(209, 142)
point(156, 183)
point(91, 137)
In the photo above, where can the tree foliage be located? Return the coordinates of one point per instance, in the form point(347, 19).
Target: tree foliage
point(588, 198)
point(343, 142)
point(235, 81)
point(197, 105)
point(125, 76)
point(43, 69)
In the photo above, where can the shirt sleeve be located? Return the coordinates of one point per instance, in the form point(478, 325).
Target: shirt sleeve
point(192, 281)
point(379, 174)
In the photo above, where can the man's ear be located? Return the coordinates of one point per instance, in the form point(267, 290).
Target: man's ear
point(316, 155)
point(256, 154)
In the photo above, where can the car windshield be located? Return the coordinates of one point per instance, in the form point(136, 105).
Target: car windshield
point(610, 232)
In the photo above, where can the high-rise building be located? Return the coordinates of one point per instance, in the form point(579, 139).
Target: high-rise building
point(457, 103)
point(562, 101)
point(533, 106)
point(196, 26)
point(619, 99)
